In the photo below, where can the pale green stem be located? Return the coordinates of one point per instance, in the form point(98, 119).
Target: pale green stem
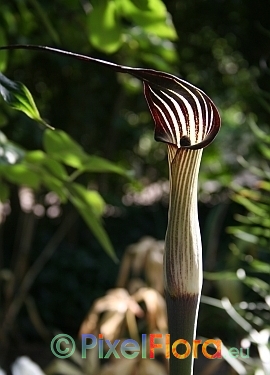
point(183, 254)
point(75, 175)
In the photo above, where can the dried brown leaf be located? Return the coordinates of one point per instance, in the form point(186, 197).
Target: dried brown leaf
point(155, 308)
point(114, 306)
point(144, 258)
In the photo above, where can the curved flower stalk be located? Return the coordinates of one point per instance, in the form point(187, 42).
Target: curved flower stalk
point(183, 253)
point(187, 120)
point(191, 121)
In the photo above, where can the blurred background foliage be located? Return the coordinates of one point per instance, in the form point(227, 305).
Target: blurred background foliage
point(52, 266)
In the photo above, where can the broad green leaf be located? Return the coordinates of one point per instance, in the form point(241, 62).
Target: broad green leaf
point(19, 97)
point(39, 158)
point(256, 282)
point(252, 230)
point(105, 31)
point(252, 219)
point(141, 4)
point(95, 226)
point(162, 27)
point(20, 174)
point(91, 198)
point(252, 207)
point(155, 20)
point(35, 157)
point(87, 205)
point(53, 174)
point(260, 266)
point(227, 275)
point(98, 164)
point(60, 146)
point(264, 185)
point(55, 168)
point(247, 237)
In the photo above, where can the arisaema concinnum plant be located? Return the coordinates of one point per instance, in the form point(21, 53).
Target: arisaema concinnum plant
point(187, 120)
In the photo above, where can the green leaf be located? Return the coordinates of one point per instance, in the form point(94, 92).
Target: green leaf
point(256, 282)
point(258, 210)
point(243, 235)
point(252, 230)
point(20, 174)
point(55, 168)
point(265, 150)
point(35, 157)
point(98, 164)
point(60, 146)
point(252, 219)
point(141, 4)
point(91, 198)
point(105, 31)
point(89, 204)
point(53, 174)
point(259, 266)
point(19, 97)
point(227, 275)
point(49, 164)
point(265, 185)
point(155, 20)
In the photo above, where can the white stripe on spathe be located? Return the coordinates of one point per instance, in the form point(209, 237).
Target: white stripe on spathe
point(192, 125)
point(163, 114)
point(184, 128)
point(199, 113)
point(183, 254)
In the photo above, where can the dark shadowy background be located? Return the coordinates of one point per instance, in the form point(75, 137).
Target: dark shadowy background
point(222, 47)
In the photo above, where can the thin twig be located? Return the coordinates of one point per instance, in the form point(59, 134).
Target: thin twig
point(36, 319)
point(33, 272)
